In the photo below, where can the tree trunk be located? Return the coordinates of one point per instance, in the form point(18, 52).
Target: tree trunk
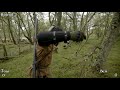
point(74, 21)
point(11, 32)
point(81, 21)
point(4, 32)
point(5, 51)
point(108, 42)
point(51, 20)
point(19, 37)
point(28, 36)
point(59, 16)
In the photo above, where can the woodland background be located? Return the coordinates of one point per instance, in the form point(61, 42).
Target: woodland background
point(96, 57)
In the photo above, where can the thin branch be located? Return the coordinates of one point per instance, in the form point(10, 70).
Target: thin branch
point(89, 20)
point(69, 16)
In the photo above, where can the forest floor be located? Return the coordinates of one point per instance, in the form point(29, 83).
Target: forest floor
point(65, 63)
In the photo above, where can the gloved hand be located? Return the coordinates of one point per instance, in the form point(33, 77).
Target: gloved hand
point(77, 36)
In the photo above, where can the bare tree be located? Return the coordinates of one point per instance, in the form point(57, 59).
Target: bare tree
point(2, 27)
point(107, 43)
point(73, 17)
point(51, 19)
point(59, 17)
point(10, 28)
point(28, 36)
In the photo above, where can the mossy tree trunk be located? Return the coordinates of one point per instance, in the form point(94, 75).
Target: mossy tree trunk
point(107, 43)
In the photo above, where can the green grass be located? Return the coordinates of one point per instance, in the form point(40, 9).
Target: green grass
point(17, 67)
point(113, 61)
point(13, 50)
point(65, 63)
point(73, 66)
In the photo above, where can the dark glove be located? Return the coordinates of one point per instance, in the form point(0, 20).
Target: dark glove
point(77, 36)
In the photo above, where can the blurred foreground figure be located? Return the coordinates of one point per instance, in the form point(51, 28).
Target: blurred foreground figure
point(46, 43)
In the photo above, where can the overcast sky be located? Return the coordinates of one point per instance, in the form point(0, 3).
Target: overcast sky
point(45, 15)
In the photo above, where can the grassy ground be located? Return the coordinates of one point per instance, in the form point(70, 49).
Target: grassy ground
point(65, 63)
point(113, 62)
point(17, 67)
point(13, 50)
